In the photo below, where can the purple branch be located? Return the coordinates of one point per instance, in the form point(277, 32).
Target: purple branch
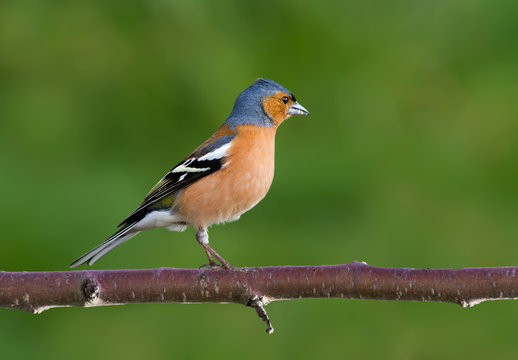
point(254, 287)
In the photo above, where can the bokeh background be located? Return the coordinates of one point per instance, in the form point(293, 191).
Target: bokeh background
point(409, 159)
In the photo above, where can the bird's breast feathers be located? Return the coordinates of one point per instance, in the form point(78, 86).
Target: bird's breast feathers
point(242, 181)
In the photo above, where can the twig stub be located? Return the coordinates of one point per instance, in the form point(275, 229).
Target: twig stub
point(258, 304)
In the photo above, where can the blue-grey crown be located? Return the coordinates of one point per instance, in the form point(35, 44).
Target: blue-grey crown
point(248, 108)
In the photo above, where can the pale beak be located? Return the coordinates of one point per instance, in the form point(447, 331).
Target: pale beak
point(297, 109)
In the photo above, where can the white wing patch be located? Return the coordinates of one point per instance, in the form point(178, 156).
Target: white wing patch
point(216, 153)
point(184, 168)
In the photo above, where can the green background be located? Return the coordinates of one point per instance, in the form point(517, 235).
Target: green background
point(409, 159)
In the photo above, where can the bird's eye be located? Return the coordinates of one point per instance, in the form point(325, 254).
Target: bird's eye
point(285, 99)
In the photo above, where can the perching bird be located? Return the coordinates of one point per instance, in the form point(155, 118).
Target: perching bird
point(223, 178)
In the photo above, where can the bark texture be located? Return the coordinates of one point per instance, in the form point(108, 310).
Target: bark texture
point(254, 287)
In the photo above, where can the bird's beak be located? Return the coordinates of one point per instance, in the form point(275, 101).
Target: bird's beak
point(297, 109)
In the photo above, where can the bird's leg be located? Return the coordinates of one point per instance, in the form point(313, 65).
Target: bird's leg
point(203, 239)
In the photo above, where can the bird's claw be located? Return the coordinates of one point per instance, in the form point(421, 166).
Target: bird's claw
point(216, 266)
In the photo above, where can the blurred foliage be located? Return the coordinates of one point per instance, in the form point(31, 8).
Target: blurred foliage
point(409, 159)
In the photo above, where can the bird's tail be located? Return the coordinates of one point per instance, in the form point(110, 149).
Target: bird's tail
point(112, 242)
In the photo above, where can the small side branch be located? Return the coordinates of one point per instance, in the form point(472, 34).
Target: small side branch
point(258, 304)
point(254, 287)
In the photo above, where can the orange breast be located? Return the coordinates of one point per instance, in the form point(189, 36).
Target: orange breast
point(236, 188)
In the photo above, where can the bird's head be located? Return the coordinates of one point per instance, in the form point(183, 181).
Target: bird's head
point(264, 103)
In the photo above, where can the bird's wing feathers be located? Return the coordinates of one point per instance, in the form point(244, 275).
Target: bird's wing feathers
point(205, 160)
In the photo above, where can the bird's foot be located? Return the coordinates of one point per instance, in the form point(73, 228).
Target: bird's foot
point(212, 264)
point(228, 266)
point(216, 266)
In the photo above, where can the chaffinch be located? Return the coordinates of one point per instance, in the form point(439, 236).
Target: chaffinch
point(223, 178)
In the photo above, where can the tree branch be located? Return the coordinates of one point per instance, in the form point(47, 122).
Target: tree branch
point(254, 287)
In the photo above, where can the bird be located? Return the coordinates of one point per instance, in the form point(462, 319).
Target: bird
point(223, 178)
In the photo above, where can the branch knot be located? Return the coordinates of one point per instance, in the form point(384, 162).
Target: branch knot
point(89, 290)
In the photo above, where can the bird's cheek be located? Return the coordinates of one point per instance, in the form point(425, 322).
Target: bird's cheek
point(275, 110)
